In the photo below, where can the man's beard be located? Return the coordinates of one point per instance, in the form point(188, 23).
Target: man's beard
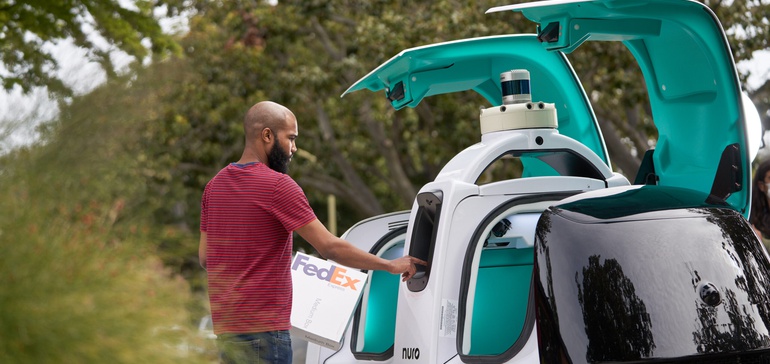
point(278, 160)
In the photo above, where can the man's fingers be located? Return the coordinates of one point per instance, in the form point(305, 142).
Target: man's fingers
point(415, 260)
point(411, 268)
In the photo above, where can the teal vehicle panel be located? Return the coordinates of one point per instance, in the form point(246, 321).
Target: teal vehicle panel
point(381, 317)
point(693, 86)
point(507, 288)
point(475, 64)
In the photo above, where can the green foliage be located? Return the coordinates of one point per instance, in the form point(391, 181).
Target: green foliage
point(304, 55)
point(28, 26)
point(82, 280)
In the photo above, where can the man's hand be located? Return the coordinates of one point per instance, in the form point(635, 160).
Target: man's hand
point(343, 252)
point(406, 266)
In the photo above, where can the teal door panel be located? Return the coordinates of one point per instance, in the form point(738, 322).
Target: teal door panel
point(689, 72)
point(475, 64)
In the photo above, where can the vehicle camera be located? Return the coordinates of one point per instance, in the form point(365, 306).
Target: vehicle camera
point(501, 228)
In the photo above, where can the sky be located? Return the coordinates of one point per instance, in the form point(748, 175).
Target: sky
point(20, 114)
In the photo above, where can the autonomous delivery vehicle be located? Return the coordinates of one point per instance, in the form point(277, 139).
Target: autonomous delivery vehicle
point(566, 261)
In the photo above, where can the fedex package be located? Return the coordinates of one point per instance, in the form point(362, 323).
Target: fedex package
point(325, 295)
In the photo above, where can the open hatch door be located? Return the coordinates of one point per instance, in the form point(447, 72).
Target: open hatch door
point(694, 91)
point(475, 64)
point(693, 86)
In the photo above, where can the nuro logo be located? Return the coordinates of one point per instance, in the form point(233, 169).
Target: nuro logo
point(333, 274)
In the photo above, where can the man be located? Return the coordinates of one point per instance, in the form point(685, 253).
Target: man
point(248, 213)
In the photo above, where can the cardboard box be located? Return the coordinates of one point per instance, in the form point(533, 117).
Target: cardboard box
point(325, 296)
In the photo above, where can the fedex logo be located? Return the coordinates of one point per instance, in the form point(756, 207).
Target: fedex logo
point(333, 274)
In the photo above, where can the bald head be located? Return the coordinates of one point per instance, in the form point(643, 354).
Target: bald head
point(265, 114)
point(271, 130)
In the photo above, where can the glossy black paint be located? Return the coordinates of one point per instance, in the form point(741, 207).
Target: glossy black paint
point(657, 281)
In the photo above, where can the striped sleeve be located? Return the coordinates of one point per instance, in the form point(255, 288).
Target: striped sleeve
point(290, 205)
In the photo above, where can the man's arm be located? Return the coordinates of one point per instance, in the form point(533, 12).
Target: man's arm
point(202, 250)
point(345, 253)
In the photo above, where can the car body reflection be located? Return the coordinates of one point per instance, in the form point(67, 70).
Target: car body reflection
point(613, 285)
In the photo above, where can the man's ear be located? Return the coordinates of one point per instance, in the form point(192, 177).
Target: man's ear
point(266, 135)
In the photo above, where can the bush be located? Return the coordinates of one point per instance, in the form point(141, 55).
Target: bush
point(80, 275)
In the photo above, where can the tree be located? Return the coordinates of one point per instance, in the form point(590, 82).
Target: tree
point(395, 152)
point(305, 55)
point(29, 27)
point(79, 264)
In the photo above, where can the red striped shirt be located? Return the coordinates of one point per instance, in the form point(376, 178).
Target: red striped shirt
point(249, 212)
